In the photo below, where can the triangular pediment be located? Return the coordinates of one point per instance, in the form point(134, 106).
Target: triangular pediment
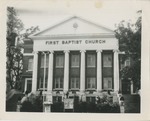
point(74, 26)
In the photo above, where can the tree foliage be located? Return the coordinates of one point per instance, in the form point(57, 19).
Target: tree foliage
point(14, 55)
point(14, 63)
point(129, 36)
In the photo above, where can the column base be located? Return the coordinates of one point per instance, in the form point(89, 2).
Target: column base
point(34, 92)
point(50, 91)
point(82, 91)
point(99, 91)
point(66, 91)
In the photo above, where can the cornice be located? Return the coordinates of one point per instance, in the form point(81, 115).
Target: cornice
point(73, 36)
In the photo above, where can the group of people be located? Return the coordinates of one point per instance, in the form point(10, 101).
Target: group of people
point(30, 103)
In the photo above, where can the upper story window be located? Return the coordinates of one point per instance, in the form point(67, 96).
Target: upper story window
point(75, 60)
point(60, 61)
point(127, 62)
point(30, 64)
point(107, 70)
point(107, 60)
point(43, 61)
point(91, 60)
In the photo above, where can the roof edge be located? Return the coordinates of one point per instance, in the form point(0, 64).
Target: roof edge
point(69, 18)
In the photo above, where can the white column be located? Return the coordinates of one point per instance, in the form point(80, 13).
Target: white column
point(50, 72)
point(116, 71)
point(99, 70)
point(35, 71)
point(131, 86)
point(82, 71)
point(44, 71)
point(66, 71)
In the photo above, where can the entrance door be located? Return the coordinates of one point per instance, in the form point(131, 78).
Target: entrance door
point(28, 84)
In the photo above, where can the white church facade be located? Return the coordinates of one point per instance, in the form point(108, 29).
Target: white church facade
point(74, 56)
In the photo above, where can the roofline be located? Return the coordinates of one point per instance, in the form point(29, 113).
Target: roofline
point(69, 36)
point(96, 24)
point(52, 26)
point(67, 19)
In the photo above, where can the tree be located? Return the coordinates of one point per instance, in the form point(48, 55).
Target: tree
point(14, 63)
point(14, 56)
point(129, 36)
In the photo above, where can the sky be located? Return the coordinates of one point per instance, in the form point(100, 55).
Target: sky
point(49, 12)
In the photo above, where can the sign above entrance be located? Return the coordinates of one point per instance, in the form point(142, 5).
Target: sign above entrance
point(63, 42)
point(76, 44)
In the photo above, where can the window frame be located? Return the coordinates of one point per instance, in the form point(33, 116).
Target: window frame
point(31, 68)
point(26, 82)
point(59, 88)
point(59, 66)
point(42, 61)
point(112, 68)
point(91, 53)
point(41, 84)
point(74, 66)
point(91, 83)
point(90, 67)
point(75, 88)
point(71, 68)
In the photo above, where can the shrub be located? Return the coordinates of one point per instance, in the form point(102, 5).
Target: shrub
point(57, 107)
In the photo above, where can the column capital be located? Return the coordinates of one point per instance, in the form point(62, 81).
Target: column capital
point(66, 51)
point(51, 51)
point(82, 51)
point(48, 52)
point(99, 51)
point(44, 52)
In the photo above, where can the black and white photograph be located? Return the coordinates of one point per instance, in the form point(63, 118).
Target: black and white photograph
point(74, 57)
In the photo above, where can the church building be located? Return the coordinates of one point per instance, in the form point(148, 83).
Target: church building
point(75, 56)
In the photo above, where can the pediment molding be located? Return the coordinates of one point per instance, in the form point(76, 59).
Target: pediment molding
point(73, 26)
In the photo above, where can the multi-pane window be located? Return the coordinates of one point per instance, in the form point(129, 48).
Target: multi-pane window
point(30, 64)
point(58, 83)
point(74, 72)
point(43, 61)
point(91, 83)
point(91, 60)
point(59, 61)
point(90, 99)
point(75, 60)
point(91, 70)
point(107, 82)
point(41, 84)
point(107, 69)
point(107, 60)
point(58, 70)
point(127, 62)
point(75, 83)
point(28, 85)
point(57, 99)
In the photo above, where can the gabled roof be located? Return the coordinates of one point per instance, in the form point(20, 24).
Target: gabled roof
point(74, 25)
